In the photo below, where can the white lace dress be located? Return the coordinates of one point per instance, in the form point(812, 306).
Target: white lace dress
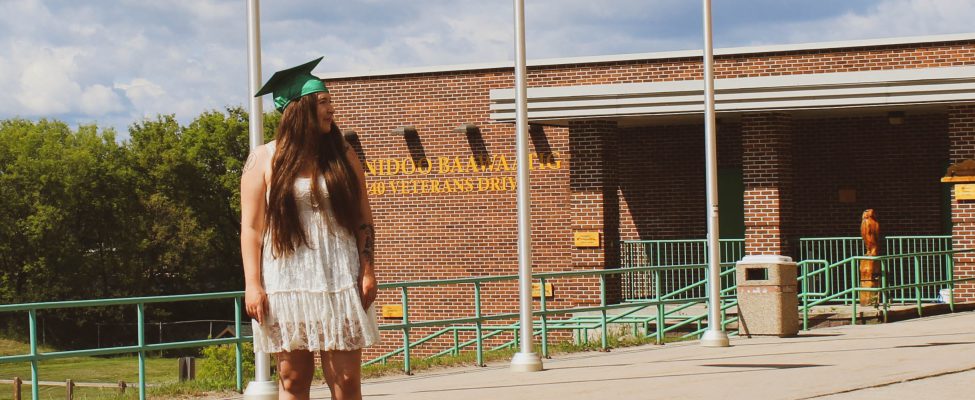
point(313, 293)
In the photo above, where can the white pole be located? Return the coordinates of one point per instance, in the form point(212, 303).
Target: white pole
point(254, 71)
point(261, 388)
point(715, 336)
point(525, 360)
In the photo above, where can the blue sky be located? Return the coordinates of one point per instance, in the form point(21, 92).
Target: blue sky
point(115, 62)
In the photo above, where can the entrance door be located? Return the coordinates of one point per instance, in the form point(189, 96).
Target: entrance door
point(731, 203)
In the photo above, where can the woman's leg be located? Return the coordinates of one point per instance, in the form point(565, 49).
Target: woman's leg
point(296, 369)
point(342, 370)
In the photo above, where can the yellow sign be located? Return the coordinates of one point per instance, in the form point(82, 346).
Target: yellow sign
point(965, 192)
point(587, 239)
point(447, 175)
point(535, 290)
point(392, 311)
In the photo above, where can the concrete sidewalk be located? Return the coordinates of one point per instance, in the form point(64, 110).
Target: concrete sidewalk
point(924, 358)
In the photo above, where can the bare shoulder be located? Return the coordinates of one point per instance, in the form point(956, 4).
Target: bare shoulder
point(257, 159)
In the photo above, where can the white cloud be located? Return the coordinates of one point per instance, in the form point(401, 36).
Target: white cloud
point(117, 62)
point(98, 100)
point(143, 93)
point(885, 18)
point(46, 84)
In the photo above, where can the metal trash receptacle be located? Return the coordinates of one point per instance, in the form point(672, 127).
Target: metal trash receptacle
point(768, 299)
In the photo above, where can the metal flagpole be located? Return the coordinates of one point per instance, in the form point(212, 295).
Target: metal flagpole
point(715, 336)
point(261, 388)
point(525, 360)
point(254, 71)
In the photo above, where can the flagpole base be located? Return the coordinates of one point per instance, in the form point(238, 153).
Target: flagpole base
point(267, 390)
point(526, 362)
point(715, 338)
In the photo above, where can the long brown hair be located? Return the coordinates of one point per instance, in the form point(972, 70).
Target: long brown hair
point(301, 145)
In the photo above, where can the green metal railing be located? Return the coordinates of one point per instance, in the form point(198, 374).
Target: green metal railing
point(667, 318)
point(838, 249)
point(34, 357)
point(668, 298)
point(678, 299)
point(890, 291)
point(654, 253)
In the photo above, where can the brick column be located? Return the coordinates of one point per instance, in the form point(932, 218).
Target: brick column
point(767, 172)
point(594, 148)
point(961, 139)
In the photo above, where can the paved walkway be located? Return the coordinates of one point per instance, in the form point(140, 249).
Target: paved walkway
point(925, 358)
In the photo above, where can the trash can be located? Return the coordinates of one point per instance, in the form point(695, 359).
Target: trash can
point(768, 302)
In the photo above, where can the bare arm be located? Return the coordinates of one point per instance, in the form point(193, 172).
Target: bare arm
point(252, 208)
point(365, 235)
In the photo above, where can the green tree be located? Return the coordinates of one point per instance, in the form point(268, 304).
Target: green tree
point(84, 216)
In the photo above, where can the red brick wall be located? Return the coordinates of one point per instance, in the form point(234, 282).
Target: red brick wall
point(894, 170)
point(662, 176)
point(759, 64)
point(595, 201)
point(662, 180)
point(429, 232)
point(961, 134)
point(427, 235)
point(766, 140)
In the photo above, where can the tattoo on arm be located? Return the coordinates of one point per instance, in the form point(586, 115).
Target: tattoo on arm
point(250, 163)
point(370, 242)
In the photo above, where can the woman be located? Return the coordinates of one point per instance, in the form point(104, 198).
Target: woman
point(307, 242)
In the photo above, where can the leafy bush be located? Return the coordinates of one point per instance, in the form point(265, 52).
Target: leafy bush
point(219, 364)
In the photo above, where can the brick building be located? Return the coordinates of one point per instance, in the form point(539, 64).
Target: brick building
point(809, 136)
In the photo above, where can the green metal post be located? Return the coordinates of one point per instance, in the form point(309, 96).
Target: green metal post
point(628, 262)
point(141, 319)
point(406, 332)
point(545, 319)
point(856, 293)
point(661, 310)
point(238, 346)
point(456, 343)
point(805, 298)
point(884, 297)
point(514, 334)
point(602, 303)
point(900, 244)
point(950, 261)
point(477, 324)
point(34, 384)
point(917, 286)
point(724, 315)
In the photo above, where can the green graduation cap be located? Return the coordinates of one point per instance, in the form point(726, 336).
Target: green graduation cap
point(290, 84)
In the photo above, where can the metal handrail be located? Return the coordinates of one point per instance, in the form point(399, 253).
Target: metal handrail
point(141, 348)
point(837, 249)
point(541, 325)
point(453, 324)
point(450, 324)
point(852, 263)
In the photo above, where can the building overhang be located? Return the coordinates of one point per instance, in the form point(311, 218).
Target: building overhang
point(887, 88)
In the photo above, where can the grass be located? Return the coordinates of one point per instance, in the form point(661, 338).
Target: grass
point(84, 369)
point(162, 372)
point(13, 347)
